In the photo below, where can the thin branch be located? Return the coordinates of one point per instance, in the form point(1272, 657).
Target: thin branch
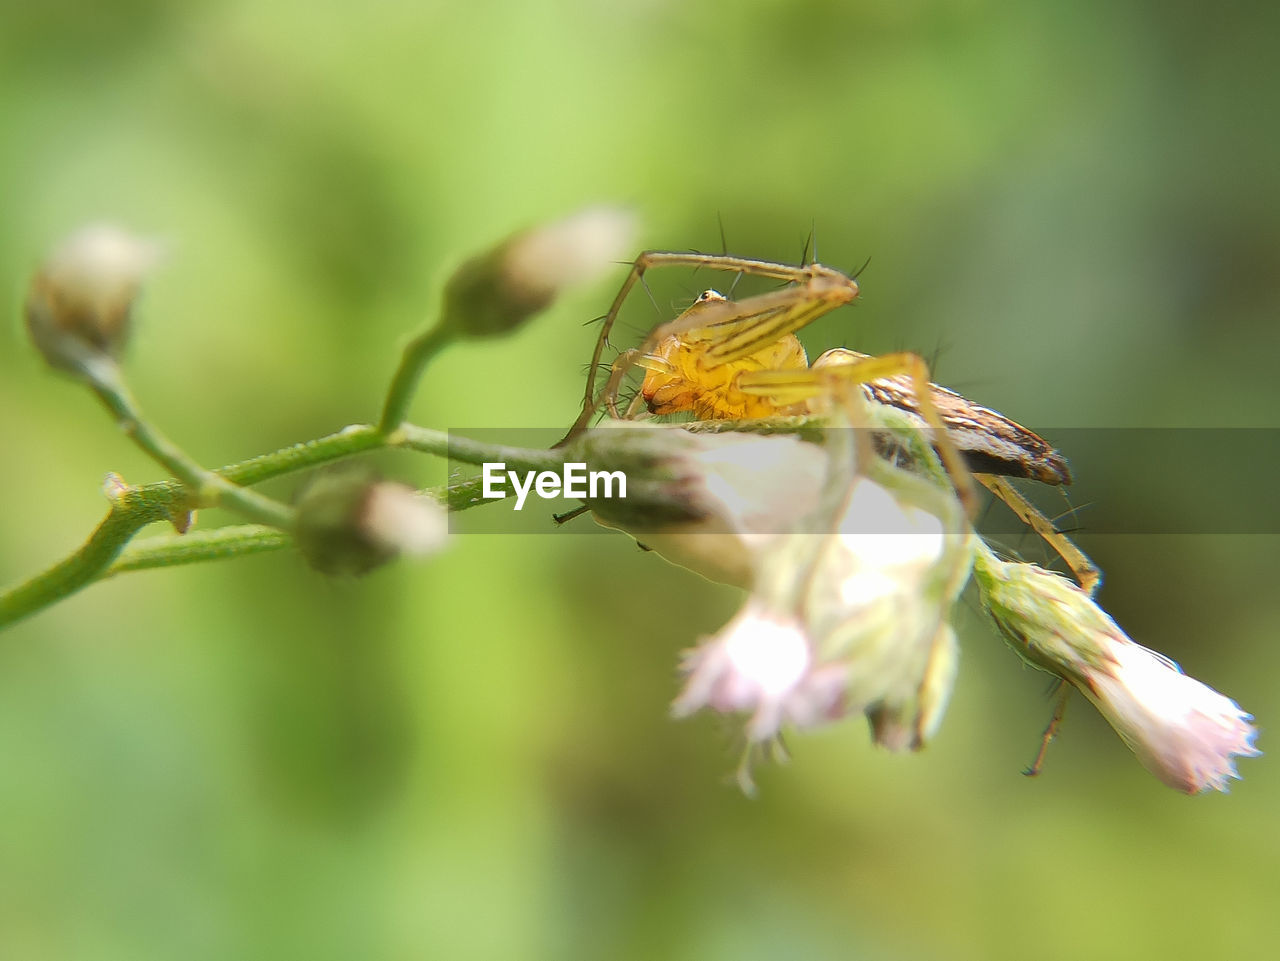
point(135, 507)
point(208, 488)
point(417, 355)
point(224, 543)
point(129, 514)
point(176, 550)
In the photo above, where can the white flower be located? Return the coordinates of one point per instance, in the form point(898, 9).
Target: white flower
point(851, 621)
point(879, 600)
point(1184, 732)
point(761, 664)
point(853, 570)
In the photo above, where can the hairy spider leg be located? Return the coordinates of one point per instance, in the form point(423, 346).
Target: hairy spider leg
point(817, 382)
point(1085, 571)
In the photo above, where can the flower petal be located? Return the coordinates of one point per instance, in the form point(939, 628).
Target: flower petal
point(1183, 731)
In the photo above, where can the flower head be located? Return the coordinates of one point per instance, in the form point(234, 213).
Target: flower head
point(848, 614)
point(879, 601)
point(1183, 731)
point(79, 304)
point(761, 664)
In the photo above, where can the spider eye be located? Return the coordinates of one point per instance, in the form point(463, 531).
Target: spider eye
point(709, 295)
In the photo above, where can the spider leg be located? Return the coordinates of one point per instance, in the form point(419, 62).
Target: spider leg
point(1051, 731)
point(798, 385)
point(1085, 571)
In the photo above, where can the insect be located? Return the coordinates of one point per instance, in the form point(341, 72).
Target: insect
point(740, 360)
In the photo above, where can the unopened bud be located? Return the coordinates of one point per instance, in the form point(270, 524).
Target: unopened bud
point(350, 524)
point(497, 291)
point(80, 300)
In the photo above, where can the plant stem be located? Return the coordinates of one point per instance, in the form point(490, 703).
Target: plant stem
point(416, 356)
point(457, 447)
point(207, 487)
point(348, 442)
point(135, 507)
point(129, 514)
point(224, 543)
point(175, 550)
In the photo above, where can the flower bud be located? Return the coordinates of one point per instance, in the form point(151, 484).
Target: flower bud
point(79, 304)
point(1182, 731)
point(351, 524)
point(497, 291)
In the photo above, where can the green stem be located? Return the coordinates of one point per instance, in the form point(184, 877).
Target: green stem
point(135, 507)
point(208, 487)
point(469, 451)
point(223, 543)
point(466, 494)
point(133, 510)
point(175, 550)
point(416, 356)
point(348, 442)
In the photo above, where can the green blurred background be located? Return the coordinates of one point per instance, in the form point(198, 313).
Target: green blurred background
point(1074, 207)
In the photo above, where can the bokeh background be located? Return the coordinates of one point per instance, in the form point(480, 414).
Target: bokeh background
point(1073, 207)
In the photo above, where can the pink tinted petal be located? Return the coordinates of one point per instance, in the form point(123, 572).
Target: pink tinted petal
point(1184, 732)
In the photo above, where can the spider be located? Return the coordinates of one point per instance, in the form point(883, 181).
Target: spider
point(740, 360)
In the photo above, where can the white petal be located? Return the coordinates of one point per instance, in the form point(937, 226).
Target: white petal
point(878, 531)
point(761, 664)
point(1184, 732)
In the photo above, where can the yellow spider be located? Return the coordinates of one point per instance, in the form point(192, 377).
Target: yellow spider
point(740, 360)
